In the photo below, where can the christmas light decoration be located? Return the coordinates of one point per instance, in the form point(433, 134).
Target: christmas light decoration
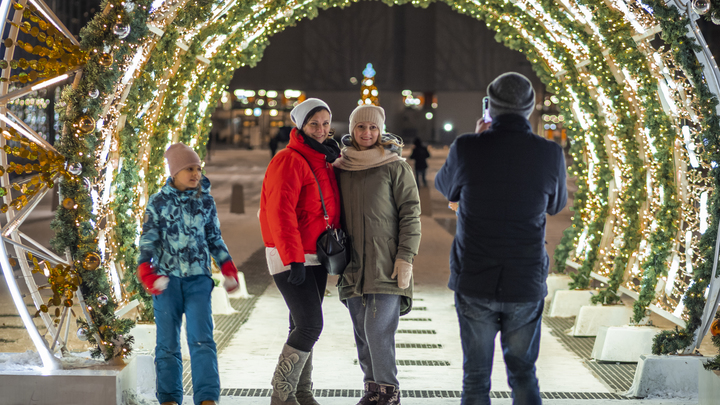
point(634, 83)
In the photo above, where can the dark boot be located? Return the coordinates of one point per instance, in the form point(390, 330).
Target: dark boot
point(304, 393)
point(286, 376)
point(389, 395)
point(372, 394)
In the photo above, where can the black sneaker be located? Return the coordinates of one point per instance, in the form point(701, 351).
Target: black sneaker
point(389, 395)
point(372, 394)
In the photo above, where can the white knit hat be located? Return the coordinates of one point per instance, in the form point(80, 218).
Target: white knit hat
point(367, 113)
point(300, 112)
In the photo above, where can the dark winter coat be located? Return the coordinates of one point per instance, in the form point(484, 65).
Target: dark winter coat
point(291, 215)
point(420, 155)
point(506, 180)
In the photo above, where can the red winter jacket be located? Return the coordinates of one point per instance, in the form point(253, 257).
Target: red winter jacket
point(291, 215)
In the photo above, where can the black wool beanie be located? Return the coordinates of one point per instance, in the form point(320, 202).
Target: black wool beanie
point(511, 93)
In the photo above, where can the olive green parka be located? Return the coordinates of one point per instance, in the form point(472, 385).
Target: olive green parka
point(381, 213)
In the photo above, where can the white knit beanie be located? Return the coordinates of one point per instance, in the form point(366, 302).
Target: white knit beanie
point(300, 112)
point(511, 93)
point(180, 156)
point(367, 113)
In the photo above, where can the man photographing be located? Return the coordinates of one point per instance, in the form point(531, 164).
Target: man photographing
point(505, 180)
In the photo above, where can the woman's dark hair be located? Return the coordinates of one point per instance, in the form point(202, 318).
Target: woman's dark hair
point(311, 113)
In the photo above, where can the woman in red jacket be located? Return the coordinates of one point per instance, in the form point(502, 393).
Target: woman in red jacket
point(292, 219)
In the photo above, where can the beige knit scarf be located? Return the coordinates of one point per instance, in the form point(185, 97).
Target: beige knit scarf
point(354, 160)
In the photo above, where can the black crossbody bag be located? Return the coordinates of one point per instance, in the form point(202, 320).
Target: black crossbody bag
point(332, 250)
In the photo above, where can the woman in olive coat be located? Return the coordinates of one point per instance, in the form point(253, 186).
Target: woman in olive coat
point(381, 213)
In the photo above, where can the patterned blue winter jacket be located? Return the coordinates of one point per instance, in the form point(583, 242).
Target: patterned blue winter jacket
point(182, 231)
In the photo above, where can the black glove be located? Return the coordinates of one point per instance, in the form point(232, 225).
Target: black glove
point(297, 273)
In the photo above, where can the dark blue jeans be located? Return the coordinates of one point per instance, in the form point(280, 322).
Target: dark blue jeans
point(519, 326)
point(191, 296)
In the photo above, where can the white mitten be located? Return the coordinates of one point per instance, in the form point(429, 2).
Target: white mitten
point(230, 284)
point(403, 272)
point(161, 283)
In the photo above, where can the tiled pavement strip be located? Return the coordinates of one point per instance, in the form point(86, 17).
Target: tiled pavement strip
point(617, 376)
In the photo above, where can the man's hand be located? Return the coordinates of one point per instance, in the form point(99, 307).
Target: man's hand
point(481, 125)
point(453, 205)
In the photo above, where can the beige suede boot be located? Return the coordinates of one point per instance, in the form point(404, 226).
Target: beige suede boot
point(286, 376)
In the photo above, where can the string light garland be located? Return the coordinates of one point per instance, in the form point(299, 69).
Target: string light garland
point(152, 76)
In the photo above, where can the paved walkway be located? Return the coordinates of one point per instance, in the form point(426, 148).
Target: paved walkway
point(428, 345)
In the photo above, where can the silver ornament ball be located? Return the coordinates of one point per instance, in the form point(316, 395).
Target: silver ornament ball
point(102, 300)
point(94, 93)
point(701, 6)
point(715, 17)
point(82, 334)
point(75, 168)
point(121, 30)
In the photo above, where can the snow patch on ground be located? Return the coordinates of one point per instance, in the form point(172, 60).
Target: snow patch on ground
point(27, 361)
point(31, 361)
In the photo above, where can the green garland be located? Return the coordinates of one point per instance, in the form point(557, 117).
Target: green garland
point(212, 80)
point(675, 33)
point(75, 228)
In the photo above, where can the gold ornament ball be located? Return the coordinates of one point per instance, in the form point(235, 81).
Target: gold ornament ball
point(86, 124)
point(715, 327)
point(105, 60)
point(91, 261)
point(68, 203)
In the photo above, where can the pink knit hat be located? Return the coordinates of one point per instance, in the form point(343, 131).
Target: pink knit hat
point(180, 156)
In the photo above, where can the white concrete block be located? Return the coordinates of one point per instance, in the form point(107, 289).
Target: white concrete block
point(567, 303)
point(221, 302)
point(623, 343)
point(145, 337)
point(708, 386)
point(557, 282)
point(592, 317)
point(139, 380)
point(118, 382)
point(667, 376)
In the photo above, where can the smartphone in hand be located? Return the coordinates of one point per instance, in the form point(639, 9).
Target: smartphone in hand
point(486, 109)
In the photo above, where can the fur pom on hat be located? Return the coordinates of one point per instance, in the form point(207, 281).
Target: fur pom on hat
point(300, 112)
point(180, 156)
point(368, 113)
point(511, 93)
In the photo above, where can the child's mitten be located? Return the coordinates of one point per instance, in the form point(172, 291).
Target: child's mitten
point(153, 283)
point(230, 272)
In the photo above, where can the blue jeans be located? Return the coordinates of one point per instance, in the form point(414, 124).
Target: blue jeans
point(519, 326)
point(375, 319)
point(191, 296)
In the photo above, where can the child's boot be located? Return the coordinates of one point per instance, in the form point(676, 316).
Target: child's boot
point(389, 395)
point(304, 393)
point(372, 394)
point(286, 376)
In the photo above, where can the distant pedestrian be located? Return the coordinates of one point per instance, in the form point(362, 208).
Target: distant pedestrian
point(420, 155)
point(292, 219)
point(282, 135)
point(381, 212)
point(180, 234)
point(506, 179)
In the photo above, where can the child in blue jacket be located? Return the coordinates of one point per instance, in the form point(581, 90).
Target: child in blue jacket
point(180, 234)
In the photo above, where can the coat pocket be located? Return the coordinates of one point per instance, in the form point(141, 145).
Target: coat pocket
point(385, 250)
